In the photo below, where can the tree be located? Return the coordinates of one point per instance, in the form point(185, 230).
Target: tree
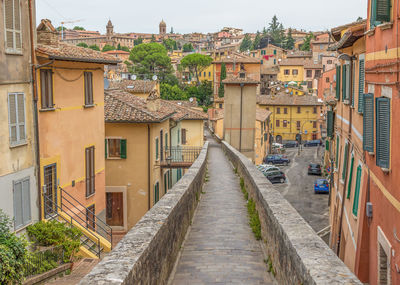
point(257, 41)
point(188, 47)
point(153, 38)
point(169, 44)
point(124, 48)
point(150, 59)
point(59, 28)
point(204, 94)
point(246, 43)
point(82, 45)
point(108, 47)
point(276, 32)
point(196, 63)
point(119, 46)
point(137, 41)
point(289, 40)
point(94, 47)
point(172, 92)
point(221, 89)
point(306, 46)
point(78, 28)
point(172, 30)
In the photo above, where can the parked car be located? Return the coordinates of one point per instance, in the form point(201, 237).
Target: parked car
point(312, 143)
point(276, 159)
point(314, 168)
point(269, 169)
point(321, 186)
point(275, 176)
point(290, 144)
point(277, 145)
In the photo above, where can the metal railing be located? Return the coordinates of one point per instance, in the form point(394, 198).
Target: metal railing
point(186, 154)
point(42, 261)
point(90, 243)
point(86, 217)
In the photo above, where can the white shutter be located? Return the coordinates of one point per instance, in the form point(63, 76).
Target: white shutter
point(21, 117)
point(16, 117)
point(12, 117)
point(12, 19)
point(18, 220)
point(26, 201)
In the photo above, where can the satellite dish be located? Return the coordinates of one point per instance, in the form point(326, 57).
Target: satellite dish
point(154, 77)
point(287, 90)
point(278, 88)
point(129, 87)
point(190, 99)
point(272, 83)
point(133, 77)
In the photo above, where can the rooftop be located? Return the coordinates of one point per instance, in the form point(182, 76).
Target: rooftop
point(134, 86)
point(284, 99)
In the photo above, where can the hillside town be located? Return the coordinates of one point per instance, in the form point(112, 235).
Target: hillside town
point(199, 158)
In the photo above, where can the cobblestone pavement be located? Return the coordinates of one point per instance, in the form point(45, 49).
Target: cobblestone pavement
point(220, 247)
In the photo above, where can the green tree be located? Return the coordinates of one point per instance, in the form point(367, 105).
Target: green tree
point(119, 46)
point(149, 59)
point(94, 47)
point(172, 92)
point(153, 38)
point(257, 41)
point(108, 47)
point(172, 30)
point(78, 28)
point(137, 41)
point(188, 47)
point(82, 45)
point(59, 28)
point(289, 40)
point(196, 63)
point(221, 89)
point(306, 46)
point(276, 32)
point(204, 94)
point(169, 44)
point(246, 43)
point(125, 48)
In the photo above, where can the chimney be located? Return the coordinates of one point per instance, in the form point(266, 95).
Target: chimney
point(153, 101)
point(46, 33)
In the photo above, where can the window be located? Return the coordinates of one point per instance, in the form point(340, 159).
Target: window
point(285, 124)
point(220, 105)
point(298, 110)
point(321, 47)
point(380, 12)
point(368, 123)
point(346, 82)
point(277, 123)
point(262, 62)
point(275, 51)
point(298, 125)
point(345, 158)
point(337, 151)
point(179, 136)
point(317, 73)
point(21, 203)
point(329, 61)
point(156, 192)
point(115, 148)
point(309, 84)
point(285, 110)
point(278, 110)
point(314, 124)
point(327, 80)
point(314, 110)
point(209, 74)
point(383, 132)
point(309, 73)
point(357, 191)
point(295, 72)
point(161, 145)
point(361, 82)
point(274, 61)
point(12, 24)
point(184, 136)
point(16, 118)
point(330, 123)
point(90, 172)
point(165, 182)
point(166, 141)
point(88, 88)
point(157, 151)
point(91, 217)
point(338, 69)
point(286, 72)
point(46, 88)
point(350, 176)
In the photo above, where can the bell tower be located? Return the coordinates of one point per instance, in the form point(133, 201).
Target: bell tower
point(163, 28)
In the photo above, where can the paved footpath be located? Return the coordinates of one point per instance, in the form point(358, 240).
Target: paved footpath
point(220, 247)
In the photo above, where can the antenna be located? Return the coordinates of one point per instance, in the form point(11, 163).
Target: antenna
point(67, 22)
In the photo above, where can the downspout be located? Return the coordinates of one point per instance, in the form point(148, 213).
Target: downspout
point(148, 167)
point(35, 109)
point(240, 129)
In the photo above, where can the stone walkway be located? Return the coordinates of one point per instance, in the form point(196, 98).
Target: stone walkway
point(78, 272)
point(220, 247)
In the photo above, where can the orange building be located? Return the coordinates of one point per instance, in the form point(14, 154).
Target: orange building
point(71, 134)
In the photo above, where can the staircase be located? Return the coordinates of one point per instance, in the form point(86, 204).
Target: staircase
point(96, 234)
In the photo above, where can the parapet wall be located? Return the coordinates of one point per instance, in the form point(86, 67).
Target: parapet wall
point(298, 254)
point(147, 253)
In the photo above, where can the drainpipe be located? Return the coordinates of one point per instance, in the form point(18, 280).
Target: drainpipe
point(35, 108)
point(240, 130)
point(148, 167)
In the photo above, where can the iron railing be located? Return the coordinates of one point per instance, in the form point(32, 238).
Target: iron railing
point(179, 154)
point(42, 261)
point(85, 217)
point(91, 243)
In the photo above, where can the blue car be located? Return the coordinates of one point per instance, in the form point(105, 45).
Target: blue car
point(321, 186)
point(276, 159)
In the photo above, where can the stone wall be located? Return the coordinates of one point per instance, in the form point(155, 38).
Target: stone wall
point(298, 254)
point(147, 254)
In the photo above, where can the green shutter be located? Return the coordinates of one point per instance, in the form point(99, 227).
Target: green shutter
point(338, 82)
point(383, 10)
point(330, 123)
point(353, 83)
point(373, 13)
point(337, 151)
point(123, 148)
point(345, 82)
point(105, 143)
point(368, 123)
point(350, 177)
point(327, 145)
point(165, 183)
point(361, 81)
point(345, 158)
point(156, 148)
point(382, 132)
point(357, 191)
point(156, 192)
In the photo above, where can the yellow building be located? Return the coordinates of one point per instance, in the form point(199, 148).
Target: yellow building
point(291, 69)
point(292, 115)
point(207, 74)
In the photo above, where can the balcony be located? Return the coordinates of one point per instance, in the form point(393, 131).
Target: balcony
point(179, 156)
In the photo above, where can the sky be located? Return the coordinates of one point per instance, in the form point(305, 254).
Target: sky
point(200, 16)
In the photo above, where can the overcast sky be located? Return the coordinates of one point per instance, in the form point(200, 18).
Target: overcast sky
point(200, 16)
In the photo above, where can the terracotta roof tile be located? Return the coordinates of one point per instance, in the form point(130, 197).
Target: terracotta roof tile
point(237, 80)
point(262, 115)
point(134, 86)
point(184, 112)
point(284, 99)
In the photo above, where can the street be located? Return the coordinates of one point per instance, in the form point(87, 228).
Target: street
point(299, 188)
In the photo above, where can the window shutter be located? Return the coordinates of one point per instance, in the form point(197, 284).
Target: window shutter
point(361, 81)
point(12, 22)
point(353, 83)
point(338, 82)
point(183, 136)
point(86, 85)
point(350, 177)
point(344, 82)
point(383, 132)
point(123, 148)
point(17, 197)
point(156, 148)
point(21, 116)
point(92, 171)
point(373, 13)
point(383, 10)
point(105, 149)
point(91, 101)
point(12, 111)
point(26, 205)
point(330, 123)
point(368, 123)
point(87, 171)
point(357, 191)
point(17, 25)
point(345, 158)
point(337, 151)
point(327, 145)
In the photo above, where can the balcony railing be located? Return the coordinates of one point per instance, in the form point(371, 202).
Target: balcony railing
point(180, 156)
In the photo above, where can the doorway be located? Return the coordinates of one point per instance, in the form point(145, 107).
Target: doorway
point(50, 190)
point(114, 209)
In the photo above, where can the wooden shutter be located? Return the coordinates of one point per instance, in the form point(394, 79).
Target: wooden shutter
point(17, 26)
point(345, 158)
point(21, 116)
point(368, 123)
point(361, 81)
point(350, 177)
point(12, 117)
point(338, 82)
point(373, 13)
point(353, 83)
point(17, 197)
point(383, 10)
point(330, 122)
point(46, 88)
point(337, 151)
point(105, 149)
point(92, 171)
point(12, 23)
point(123, 148)
point(344, 82)
point(156, 148)
point(357, 191)
point(327, 145)
point(382, 132)
point(183, 136)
